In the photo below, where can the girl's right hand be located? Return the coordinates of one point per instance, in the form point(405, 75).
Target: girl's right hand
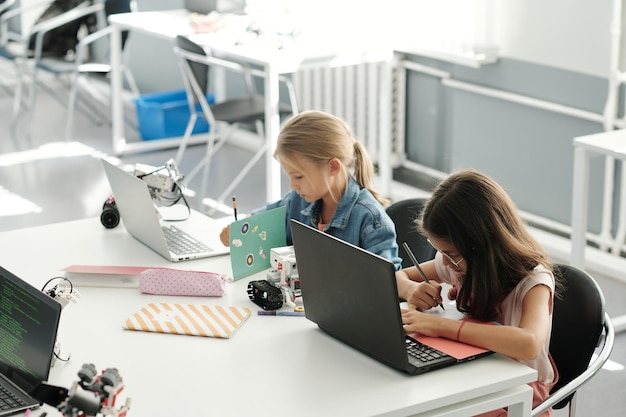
point(425, 296)
point(225, 236)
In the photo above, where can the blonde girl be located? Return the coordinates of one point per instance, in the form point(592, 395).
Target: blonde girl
point(331, 179)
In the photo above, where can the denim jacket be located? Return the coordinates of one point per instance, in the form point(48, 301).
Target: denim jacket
point(359, 219)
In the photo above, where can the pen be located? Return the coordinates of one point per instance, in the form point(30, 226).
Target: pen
point(417, 265)
point(281, 313)
point(235, 207)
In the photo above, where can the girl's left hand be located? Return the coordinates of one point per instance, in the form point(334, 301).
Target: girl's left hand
point(417, 322)
point(225, 236)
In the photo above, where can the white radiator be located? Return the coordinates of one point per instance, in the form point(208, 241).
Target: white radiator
point(353, 93)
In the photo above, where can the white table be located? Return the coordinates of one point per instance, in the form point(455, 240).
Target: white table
point(273, 366)
point(272, 61)
point(608, 144)
point(611, 144)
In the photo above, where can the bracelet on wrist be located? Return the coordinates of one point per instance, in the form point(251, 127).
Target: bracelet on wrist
point(458, 332)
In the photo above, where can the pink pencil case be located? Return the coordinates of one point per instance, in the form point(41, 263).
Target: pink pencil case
point(166, 281)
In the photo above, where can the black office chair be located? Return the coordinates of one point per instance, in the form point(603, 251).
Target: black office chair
point(403, 213)
point(580, 329)
point(195, 63)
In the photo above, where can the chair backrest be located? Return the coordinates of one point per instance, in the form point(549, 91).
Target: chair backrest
point(118, 6)
point(403, 213)
point(577, 324)
point(63, 36)
point(199, 70)
point(5, 5)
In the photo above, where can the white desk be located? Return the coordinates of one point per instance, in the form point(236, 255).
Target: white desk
point(609, 144)
point(168, 24)
point(273, 366)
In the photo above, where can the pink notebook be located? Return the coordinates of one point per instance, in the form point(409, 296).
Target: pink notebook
point(453, 348)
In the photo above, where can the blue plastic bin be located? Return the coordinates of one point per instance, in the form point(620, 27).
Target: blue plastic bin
point(166, 114)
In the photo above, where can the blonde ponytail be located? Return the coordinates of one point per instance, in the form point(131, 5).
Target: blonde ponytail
point(364, 172)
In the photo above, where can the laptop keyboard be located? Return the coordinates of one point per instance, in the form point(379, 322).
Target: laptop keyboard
point(421, 352)
point(181, 243)
point(8, 400)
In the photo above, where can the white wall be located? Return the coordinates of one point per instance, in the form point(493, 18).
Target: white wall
point(574, 35)
point(567, 34)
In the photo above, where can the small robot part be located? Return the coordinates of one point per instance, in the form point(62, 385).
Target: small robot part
point(284, 274)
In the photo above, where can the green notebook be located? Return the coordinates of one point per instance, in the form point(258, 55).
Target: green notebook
point(252, 238)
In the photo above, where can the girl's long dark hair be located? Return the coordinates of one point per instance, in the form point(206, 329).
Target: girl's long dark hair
point(480, 220)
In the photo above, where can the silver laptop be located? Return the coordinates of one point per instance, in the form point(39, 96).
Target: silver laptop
point(141, 219)
point(351, 294)
point(28, 332)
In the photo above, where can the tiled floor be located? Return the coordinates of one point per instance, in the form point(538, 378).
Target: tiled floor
point(44, 180)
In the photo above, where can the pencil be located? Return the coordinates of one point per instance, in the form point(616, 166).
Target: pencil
point(235, 207)
point(417, 265)
point(281, 313)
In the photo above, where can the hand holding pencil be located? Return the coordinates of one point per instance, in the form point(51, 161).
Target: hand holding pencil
point(419, 269)
point(225, 233)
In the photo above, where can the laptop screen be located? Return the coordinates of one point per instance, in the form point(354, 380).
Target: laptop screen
point(28, 326)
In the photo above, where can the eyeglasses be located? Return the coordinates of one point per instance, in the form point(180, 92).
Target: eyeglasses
point(455, 263)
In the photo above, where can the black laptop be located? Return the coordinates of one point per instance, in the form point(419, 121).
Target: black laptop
point(351, 294)
point(29, 320)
